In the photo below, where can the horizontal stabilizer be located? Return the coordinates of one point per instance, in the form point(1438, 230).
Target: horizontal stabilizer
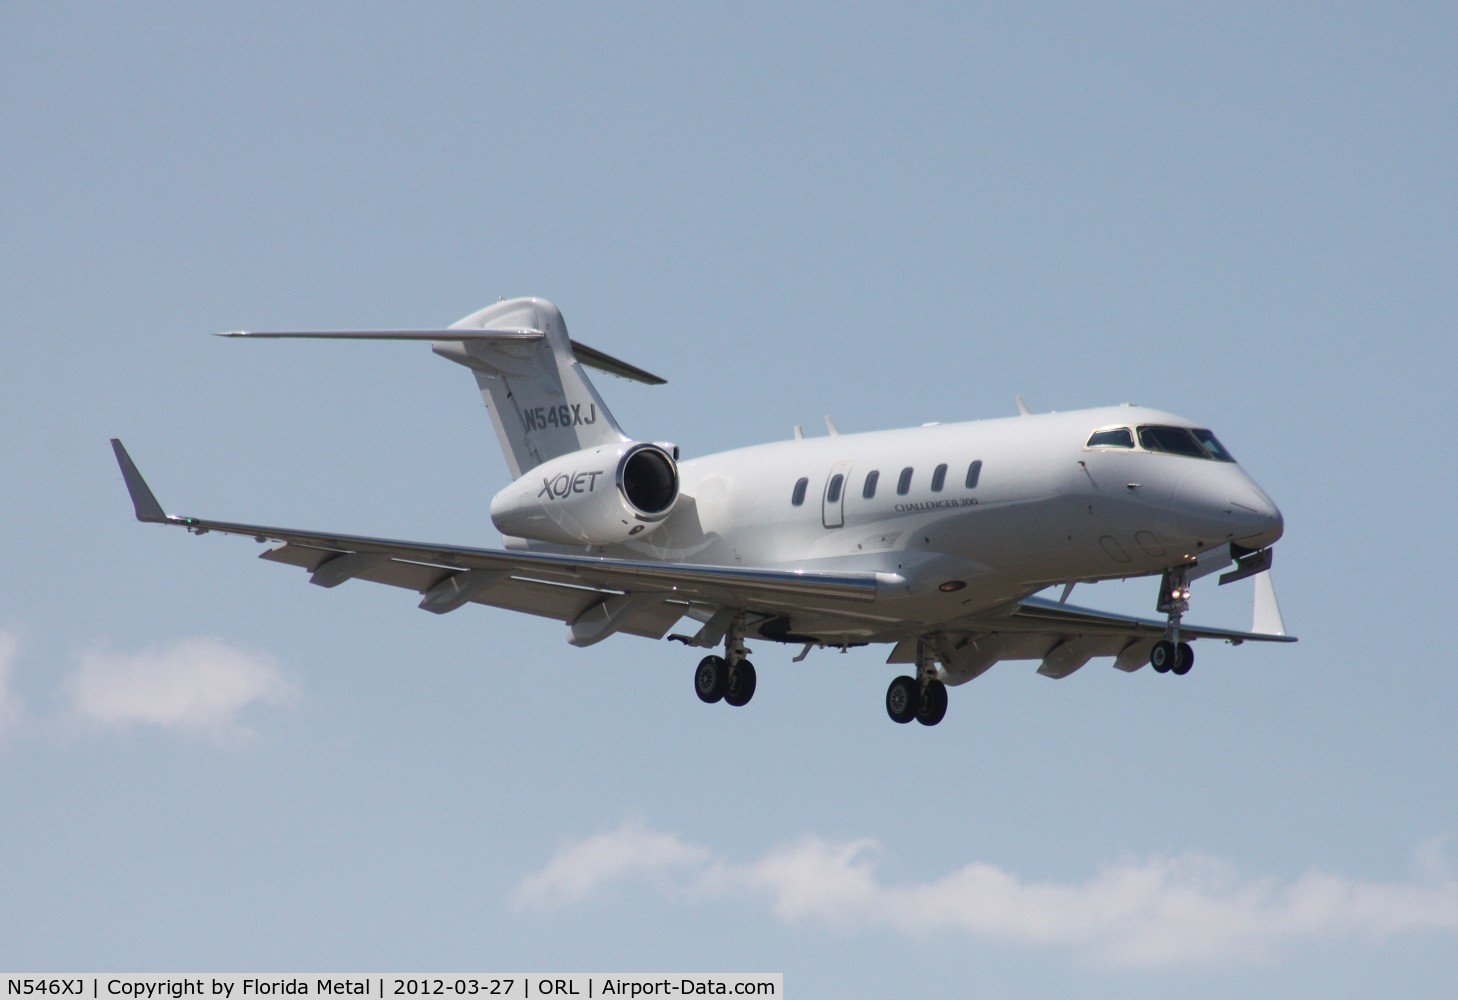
point(589, 356)
point(432, 335)
point(596, 359)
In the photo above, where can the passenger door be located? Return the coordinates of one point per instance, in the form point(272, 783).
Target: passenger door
point(832, 506)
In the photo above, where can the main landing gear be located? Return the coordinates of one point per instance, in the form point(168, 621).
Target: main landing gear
point(923, 698)
point(1171, 658)
point(729, 678)
point(1169, 655)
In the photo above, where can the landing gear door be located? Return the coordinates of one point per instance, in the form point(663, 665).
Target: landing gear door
point(832, 507)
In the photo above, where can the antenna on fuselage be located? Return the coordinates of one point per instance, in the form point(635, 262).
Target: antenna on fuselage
point(830, 425)
point(1023, 407)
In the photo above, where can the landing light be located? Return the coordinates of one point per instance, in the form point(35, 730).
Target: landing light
point(951, 586)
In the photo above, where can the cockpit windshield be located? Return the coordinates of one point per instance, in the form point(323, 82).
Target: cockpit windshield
point(1175, 440)
point(1215, 448)
point(1190, 442)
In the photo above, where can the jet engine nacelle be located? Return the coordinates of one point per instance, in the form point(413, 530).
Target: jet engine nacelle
point(598, 496)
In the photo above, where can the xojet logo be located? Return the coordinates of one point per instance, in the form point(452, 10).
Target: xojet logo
point(561, 486)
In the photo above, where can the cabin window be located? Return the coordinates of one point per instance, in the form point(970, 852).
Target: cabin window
point(832, 492)
point(870, 488)
point(798, 497)
point(1113, 437)
point(974, 471)
point(903, 485)
point(939, 478)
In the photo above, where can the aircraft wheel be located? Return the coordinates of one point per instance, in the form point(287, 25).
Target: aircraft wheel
point(933, 707)
point(903, 699)
point(741, 684)
point(1162, 656)
point(1184, 659)
point(710, 679)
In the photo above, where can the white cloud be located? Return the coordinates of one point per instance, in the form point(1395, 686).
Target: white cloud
point(582, 869)
point(1160, 911)
point(10, 710)
point(198, 685)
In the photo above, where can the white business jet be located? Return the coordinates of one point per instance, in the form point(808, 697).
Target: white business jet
point(935, 540)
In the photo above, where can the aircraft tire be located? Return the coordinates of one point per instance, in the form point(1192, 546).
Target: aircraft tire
point(933, 707)
point(742, 681)
point(1184, 659)
point(903, 699)
point(1162, 656)
point(710, 679)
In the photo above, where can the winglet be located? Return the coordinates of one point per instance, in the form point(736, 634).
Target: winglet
point(146, 505)
point(1267, 617)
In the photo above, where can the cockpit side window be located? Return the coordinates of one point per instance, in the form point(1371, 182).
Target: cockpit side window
point(1112, 437)
point(1172, 440)
point(1215, 448)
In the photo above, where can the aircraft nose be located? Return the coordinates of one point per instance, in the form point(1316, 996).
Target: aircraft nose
point(1256, 522)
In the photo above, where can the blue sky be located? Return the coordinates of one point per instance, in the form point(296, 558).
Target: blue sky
point(1238, 213)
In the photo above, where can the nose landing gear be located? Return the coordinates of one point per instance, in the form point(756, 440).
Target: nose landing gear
point(1169, 655)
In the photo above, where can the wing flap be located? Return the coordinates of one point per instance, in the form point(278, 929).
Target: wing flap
point(721, 585)
point(1042, 614)
point(562, 602)
point(715, 584)
point(1064, 638)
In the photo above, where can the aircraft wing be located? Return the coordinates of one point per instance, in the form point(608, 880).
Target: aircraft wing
point(1044, 615)
point(1065, 637)
point(595, 596)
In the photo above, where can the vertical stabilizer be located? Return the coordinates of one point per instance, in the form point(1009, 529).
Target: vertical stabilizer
point(540, 400)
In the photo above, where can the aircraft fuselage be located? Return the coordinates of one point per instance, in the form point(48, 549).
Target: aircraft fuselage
point(990, 510)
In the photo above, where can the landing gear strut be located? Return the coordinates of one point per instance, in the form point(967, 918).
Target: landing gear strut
point(731, 677)
point(1169, 655)
point(923, 698)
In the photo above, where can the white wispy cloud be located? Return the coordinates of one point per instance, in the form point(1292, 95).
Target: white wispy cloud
point(197, 685)
point(1159, 911)
point(584, 868)
point(10, 709)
